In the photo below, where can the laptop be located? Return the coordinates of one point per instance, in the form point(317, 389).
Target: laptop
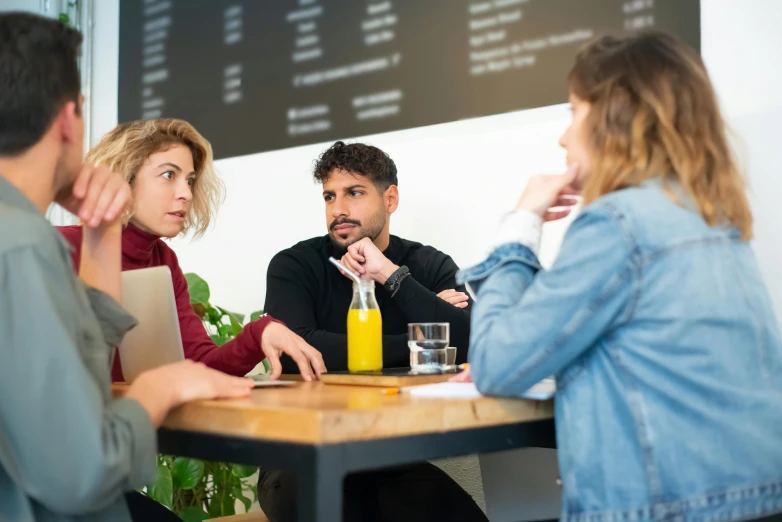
point(148, 294)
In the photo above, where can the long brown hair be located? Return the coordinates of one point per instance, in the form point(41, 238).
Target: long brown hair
point(654, 114)
point(126, 148)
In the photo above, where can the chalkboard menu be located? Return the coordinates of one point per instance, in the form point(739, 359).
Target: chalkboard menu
point(259, 75)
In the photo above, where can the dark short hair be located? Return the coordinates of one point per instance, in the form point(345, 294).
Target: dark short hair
point(357, 158)
point(38, 74)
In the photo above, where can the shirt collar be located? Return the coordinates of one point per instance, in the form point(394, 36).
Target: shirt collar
point(15, 198)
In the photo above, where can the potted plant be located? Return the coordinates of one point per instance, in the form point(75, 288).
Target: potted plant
point(198, 490)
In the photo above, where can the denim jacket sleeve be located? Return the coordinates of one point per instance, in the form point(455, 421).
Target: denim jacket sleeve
point(529, 323)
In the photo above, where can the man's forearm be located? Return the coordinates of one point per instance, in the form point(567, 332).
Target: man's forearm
point(101, 259)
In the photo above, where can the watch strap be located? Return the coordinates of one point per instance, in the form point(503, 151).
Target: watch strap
point(394, 281)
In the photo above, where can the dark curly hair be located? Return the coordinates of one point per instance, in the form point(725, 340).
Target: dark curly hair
point(357, 158)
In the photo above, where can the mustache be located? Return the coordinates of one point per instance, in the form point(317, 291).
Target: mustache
point(338, 222)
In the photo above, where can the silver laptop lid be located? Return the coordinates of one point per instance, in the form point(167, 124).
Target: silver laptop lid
point(148, 294)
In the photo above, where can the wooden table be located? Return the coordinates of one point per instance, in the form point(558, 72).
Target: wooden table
point(323, 432)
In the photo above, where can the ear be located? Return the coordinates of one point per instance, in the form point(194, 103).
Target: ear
point(67, 122)
point(391, 197)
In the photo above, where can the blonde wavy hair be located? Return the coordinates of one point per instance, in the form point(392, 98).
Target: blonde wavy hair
point(654, 114)
point(126, 148)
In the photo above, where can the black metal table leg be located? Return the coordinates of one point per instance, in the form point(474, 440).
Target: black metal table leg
point(320, 479)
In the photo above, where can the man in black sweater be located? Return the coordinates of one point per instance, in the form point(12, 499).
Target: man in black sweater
point(312, 297)
point(414, 283)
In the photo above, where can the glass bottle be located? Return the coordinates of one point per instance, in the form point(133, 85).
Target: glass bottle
point(365, 330)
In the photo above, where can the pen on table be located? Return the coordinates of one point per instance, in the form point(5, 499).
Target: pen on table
point(396, 390)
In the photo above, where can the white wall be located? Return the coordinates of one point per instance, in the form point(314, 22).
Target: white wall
point(20, 5)
point(105, 66)
point(741, 44)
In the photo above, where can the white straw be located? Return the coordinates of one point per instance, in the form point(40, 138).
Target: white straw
point(342, 267)
point(355, 278)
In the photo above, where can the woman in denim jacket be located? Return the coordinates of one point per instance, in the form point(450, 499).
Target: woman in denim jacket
point(654, 317)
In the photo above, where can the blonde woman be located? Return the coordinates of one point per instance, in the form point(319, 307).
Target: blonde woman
point(168, 165)
point(654, 317)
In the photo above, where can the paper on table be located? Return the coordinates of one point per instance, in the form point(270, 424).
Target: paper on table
point(542, 391)
point(446, 390)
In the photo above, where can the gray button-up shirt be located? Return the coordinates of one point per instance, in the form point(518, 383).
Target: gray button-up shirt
point(68, 451)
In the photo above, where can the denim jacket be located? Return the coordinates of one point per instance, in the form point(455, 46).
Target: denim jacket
point(667, 357)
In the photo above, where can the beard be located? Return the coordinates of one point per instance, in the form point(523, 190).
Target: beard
point(372, 229)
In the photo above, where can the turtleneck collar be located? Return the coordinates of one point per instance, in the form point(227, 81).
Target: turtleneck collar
point(138, 245)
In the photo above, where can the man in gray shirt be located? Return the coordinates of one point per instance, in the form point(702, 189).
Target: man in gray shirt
point(68, 450)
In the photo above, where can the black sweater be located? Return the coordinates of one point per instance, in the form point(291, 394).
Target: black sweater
point(312, 298)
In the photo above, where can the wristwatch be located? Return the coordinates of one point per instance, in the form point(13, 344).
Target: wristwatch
point(393, 283)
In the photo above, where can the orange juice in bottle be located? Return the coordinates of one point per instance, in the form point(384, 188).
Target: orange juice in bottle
point(365, 330)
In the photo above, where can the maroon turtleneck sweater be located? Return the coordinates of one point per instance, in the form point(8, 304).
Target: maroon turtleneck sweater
point(143, 250)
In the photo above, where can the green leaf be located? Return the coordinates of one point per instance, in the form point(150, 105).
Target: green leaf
point(239, 471)
point(215, 316)
point(64, 18)
point(162, 491)
point(226, 330)
point(187, 473)
point(239, 495)
point(239, 318)
point(236, 320)
point(236, 326)
point(199, 290)
point(219, 340)
point(222, 505)
point(193, 514)
point(256, 315)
